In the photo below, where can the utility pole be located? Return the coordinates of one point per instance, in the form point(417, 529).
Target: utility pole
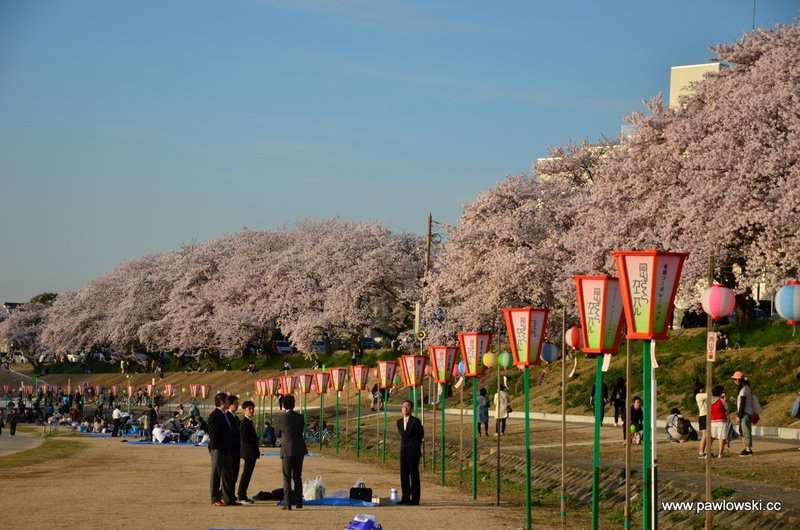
point(428, 243)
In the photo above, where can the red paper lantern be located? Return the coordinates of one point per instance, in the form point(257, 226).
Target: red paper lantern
point(600, 310)
point(412, 369)
point(386, 371)
point(323, 380)
point(574, 337)
point(443, 361)
point(130, 391)
point(305, 381)
point(204, 390)
point(648, 282)
point(359, 375)
point(338, 378)
point(473, 345)
point(288, 384)
point(526, 328)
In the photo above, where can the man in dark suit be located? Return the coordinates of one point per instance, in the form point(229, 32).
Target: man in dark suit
point(233, 445)
point(152, 420)
point(218, 435)
point(411, 435)
point(249, 450)
point(293, 450)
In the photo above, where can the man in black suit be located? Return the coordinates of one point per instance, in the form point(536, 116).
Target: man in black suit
point(218, 435)
point(233, 445)
point(249, 450)
point(411, 435)
point(293, 448)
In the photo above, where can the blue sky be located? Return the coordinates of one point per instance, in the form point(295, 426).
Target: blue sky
point(133, 127)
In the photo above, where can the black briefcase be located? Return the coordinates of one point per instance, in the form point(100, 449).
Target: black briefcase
point(361, 494)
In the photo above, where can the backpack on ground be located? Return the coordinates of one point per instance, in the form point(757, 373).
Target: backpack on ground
point(684, 426)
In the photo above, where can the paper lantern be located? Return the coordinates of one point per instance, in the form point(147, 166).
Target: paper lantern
point(258, 383)
point(473, 346)
point(460, 369)
point(600, 310)
point(288, 384)
point(114, 389)
point(204, 391)
point(787, 302)
point(574, 337)
point(489, 360)
point(323, 380)
point(169, 390)
point(359, 377)
point(443, 360)
point(412, 368)
point(718, 302)
point(550, 352)
point(526, 327)
point(386, 373)
point(130, 391)
point(151, 388)
point(648, 282)
point(338, 378)
point(271, 386)
point(504, 359)
point(305, 381)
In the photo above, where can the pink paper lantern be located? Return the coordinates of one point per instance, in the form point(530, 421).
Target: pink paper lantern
point(718, 301)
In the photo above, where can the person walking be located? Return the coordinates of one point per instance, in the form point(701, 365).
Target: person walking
point(483, 412)
point(116, 416)
point(747, 407)
point(293, 450)
point(701, 398)
point(618, 400)
point(604, 392)
point(2, 420)
point(411, 435)
point(248, 449)
point(234, 440)
point(12, 422)
point(218, 427)
point(501, 410)
point(719, 418)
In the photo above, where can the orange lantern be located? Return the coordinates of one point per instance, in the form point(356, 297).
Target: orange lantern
point(443, 359)
point(338, 378)
point(271, 386)
point(323, 380)
point(600, 311)
point(412, 369)
point(386, 371)
point(305, 381)
point(288, 384)
point(526, 328)
point(359, 377)
point(473, 346)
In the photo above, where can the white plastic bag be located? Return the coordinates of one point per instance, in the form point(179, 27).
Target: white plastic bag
point(314, 489)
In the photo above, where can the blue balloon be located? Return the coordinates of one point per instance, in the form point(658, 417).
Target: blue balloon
point(787, 302)
point(461, 367)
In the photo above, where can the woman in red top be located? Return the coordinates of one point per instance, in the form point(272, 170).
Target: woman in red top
point(719, 418)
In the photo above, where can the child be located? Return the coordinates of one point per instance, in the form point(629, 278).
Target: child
point(637, 421)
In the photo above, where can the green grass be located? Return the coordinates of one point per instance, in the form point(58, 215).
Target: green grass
point(722, 492)
point(53, 448)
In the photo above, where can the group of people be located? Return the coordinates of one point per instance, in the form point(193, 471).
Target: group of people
point(501, 408)
point(12, 421)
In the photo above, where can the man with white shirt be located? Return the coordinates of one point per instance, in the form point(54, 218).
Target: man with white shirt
point(117, 417)
point(161, 435)
point(411, 436)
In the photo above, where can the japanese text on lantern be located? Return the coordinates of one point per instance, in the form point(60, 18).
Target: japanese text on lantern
point(593, 311)
point(521, 334)
point(640, 294)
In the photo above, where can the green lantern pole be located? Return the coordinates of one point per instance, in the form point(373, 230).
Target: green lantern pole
point(444, 426)
point(527, 387)
point(271, 403)
point(647, 438)
point(385, 423)
point(474, 438)
point(305, 409)
point(598, 420)
point(321, 418)
point(337, 422)
point(358, 426)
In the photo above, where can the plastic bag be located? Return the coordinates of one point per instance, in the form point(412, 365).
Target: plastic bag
point(314, 489)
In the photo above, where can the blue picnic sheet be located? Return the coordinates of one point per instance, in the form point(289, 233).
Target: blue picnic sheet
point(147, 442)
point(337, 498)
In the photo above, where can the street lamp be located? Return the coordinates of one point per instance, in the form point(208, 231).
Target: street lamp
point(648, 282)
point(526, 328)
point(600, 310)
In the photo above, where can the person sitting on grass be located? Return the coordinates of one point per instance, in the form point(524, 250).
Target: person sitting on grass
point(161, 435)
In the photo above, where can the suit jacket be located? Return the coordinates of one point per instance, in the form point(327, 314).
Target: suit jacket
point(217, 430)
point(152, 418)
point(289, 429)
point(249, 439)
point(411, 438)
point(234, 435)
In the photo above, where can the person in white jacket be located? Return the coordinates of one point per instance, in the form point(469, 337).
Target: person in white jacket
point(501, 410)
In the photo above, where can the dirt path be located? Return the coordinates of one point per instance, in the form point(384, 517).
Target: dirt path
point(113, 485)
point(14, 444)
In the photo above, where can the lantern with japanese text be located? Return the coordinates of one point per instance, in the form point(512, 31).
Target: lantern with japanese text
point(412, 368)
point(718, 302)
point(192, 390)
point(271, 386)
point(473, 345)
point(386, 371)
point(526, 328)
point(600, 311)
point(338, 378)
point(204, 391)
point(443, 360)
point(323, 380)
point(305, 380)
point(288, 384)
point(649, 280)
point(359, 376)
